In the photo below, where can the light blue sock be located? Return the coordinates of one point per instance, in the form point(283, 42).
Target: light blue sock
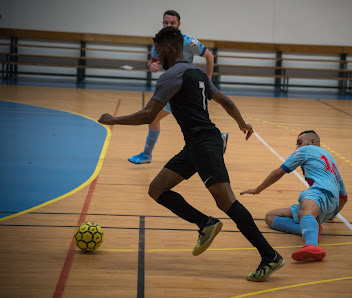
point(150, 142)
point(310, 229)
point(287, 225)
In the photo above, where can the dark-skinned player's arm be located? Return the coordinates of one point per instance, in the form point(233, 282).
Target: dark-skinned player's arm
point(273, 177)
point(230, 107)
point(144, 116)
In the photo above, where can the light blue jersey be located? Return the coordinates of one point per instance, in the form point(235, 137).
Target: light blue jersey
point(321, 172)
point(191, 47)
point(319, 169)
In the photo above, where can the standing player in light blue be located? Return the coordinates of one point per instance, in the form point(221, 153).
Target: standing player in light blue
point(324, 198)
point(191, 47)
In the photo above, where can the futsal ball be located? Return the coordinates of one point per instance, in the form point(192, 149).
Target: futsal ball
point(89, 236)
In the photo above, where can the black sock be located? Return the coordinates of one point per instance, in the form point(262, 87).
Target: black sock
point(245, 223)
point(177, 204)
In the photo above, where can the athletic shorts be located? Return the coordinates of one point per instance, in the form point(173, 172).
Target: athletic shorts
point(328, 204)
point(167, 108)
point(203, 156)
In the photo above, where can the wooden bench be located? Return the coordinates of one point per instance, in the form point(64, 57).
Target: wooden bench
point(73, 62)
point(87, 44)
point(284, 67)
point(283, 74)
point(10, 61)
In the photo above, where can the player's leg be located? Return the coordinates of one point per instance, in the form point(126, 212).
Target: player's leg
point(164, 181)
point(307, 215)
point(286, 220)
point(282, 220)
point(174, 172)
point(209, 162)
point(226, 201)
point(153, 134)
point(155, 125)
point(281, 212)
point(309, 211)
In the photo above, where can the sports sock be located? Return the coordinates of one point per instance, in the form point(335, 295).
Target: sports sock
point(310, 229)
point(287, 225)
point(245, 223)
point(178, 205)
point(150, 142)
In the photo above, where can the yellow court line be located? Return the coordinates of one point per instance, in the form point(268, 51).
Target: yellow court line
point(216, 249)
point(128, 250)
point(336, 153)
point(293, 286)
point(94, 175)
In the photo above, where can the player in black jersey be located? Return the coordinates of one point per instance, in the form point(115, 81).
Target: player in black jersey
point(188, 90)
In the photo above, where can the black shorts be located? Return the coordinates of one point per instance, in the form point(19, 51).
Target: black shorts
point(203, 155)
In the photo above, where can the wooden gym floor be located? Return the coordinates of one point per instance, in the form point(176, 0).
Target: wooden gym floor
point(147, 250)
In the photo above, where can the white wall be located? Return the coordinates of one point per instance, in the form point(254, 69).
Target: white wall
point(275, 21)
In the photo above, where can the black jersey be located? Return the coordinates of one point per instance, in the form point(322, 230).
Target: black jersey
point(188, 90)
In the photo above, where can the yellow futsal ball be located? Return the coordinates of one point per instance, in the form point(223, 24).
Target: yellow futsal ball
point(89, 236)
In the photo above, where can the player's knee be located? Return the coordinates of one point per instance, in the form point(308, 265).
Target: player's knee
point(269, 218)
point(302, 213)
point(156, 189)
point(153, 191)
point(223, 195)
point(221, 205)
point(223, 202)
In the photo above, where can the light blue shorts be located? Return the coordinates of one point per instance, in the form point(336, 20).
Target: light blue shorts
point(328, 204)
point(167, 108)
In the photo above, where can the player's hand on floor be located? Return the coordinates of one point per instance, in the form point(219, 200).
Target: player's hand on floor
point(252, 191)
point(106, 119)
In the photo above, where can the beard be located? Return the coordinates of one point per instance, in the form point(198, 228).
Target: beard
point(166, 64)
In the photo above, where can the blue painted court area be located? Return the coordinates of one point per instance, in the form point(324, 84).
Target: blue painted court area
point(44, 154)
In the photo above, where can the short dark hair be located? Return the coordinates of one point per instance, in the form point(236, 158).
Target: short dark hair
point(172, 13)
point(169, 35)
point(308, 131)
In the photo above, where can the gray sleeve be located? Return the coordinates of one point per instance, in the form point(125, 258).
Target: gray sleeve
point(167, 86)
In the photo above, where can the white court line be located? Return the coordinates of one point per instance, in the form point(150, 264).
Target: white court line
point(298, 176)
point(344, 220)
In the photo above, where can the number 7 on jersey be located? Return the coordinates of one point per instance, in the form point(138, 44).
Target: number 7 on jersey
point(202, 86)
